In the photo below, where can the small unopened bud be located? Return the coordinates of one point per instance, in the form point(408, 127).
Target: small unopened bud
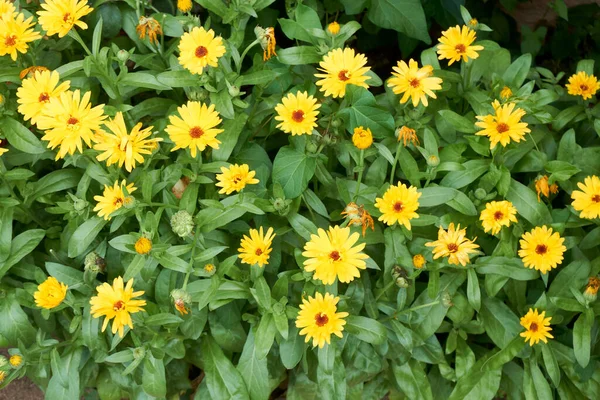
point(182, 223)
point(129, 202)
point(139, 353)
point(123, 55)
point(278, 308)
point(2, 99)
point(400, 276)
point(433, 161)
point(16, 360)
point(198, 94)
point(311, 147)
point(480, 193)
point(210, 269)
point(234, 91)
point(333, 28)
point(80, 204)
point(447, 299)
point(94, 263)
point(419, 261)
point(336, 123)
point(143, 245)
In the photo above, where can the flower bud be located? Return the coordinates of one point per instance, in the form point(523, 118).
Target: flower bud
point(433, 161)
point(182, 223)
point(336, 123)
point(129, 202)
point(480, 193)
point(210, 269)
point(16, 360)
point(139, 353)
point(80, 205)
point(447, 299)
point(333, 28)
point(198, 94)
point(234, 91)
point(143, 245)
point(311, 147)
point(400, 276)
point(282, 206)
point(278, 308)
point(2, 99)
point(3, 361)
point(419, 261)
point(180, 299)
point(94, 263)
point(591, 290)
point(123, 55)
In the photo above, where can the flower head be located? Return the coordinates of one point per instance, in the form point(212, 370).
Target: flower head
point(256, 249)
point(504, 126)
point(266, 37)
point(113, 198)
point(418, 261)
point(30, 71)
point(181, 299)
point(195, 129)
point(235, 178)
point(408, 135)
point(341, 68)
point(15, 33)
point(15, 360)
point(456, 43)
point(319, 319)
point(453, 244)
point(148, 26)
point(505, 93)
point(587, 200)
point(143, 245)
point(210, 269)
point(36, 92)
point(362, 138)
point(334, 254)
point(414, 82)
point(200, 48)
point(537, 327)
point(496, 215)
point(542, 249)
point(7, 9)
point(116, 302)
point(297, 113)
point(543, 188)
point(473, 23)
point(358, 216)
point(60, 16)
point(582, 84)
point(591, 289)
point(333, 28)
point(182, 223)
point(50, 293)
point(184, 5)
point(398, 204)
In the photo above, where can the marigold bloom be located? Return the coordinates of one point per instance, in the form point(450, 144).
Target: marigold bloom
point(15, 360)
point(334, 254)
point(416, 83)
point(541, 249)
point(210, 269)
point(456, 43)
point(333, 28)
point(256, 249)
point(504, 126)
point(408, 135)
point(591, 289)
point(319, 319)
point(116, 302)
point(60, 16)
point(398, 205)
point(195, 129)
point(505, 93)
point(200, 48)
point(542, 187)
point(453, 244)
point(7, 10)
point(235, 178)
point(362, 138)
point(537, 327)
point(184, 5)
point(496, 215)
point(582, 84)
point(143, 245)
point(36, 92)
point(113, 198)
point(418, 261)
point(342, 68)
point(358, 216)
point(30, 71)
point(297, 113)
point(148, 26)
point(587, 200)
point(50, 293)
point(15, 33)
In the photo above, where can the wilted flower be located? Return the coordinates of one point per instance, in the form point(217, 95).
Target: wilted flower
point(358, 216)
point(591, 289)
point(180, 300)
point(149, 26)
point(408, 135)
point(266, 37)
point(542, 187)
point(30, 71)
point(94, 263)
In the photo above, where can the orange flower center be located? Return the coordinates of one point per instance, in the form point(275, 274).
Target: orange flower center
point(533, 327)
point(201, 51)
point(398, 206)
point(335, 255)
point(119, 305)
point(66, 17)
point(460, 48)
point(502, 127)
point(452, 247)
point(541, 249)
point(118, 202)
point(298, 116)
point(196, 132)
point(258, 252)
point(321, 319)
point(583, 87)
point(343, 75)
point(44, 97)
point(498, 215)
point(596, 198)
point(237, 179)
point(414, 82)
point(10, 40)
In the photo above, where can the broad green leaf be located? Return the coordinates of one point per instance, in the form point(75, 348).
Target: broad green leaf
point(293, 170)
point(229, 137)
point(16, 326)
point(291, 349)
point(67, 275)
point(254, 371)
point(222, 379)
point(406, 16)
point(20, 246)
point(515, 74)
point(178, 79)
point(298, 55)
point(412, 380)
point(500, 323)
point(509, 267)
point(458, 122)
point(154, 381)
point(527, 205)
point(582, 331)
point(143, 80)
point(84, 235)
point(20, 137)
point(55, 181)
point(366, 329)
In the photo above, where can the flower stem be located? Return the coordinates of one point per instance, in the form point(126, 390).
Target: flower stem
point(385, 289)
point(361, 166)
point(409, 310)
point(240, 62)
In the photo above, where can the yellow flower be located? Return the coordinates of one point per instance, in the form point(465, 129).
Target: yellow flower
point(542, 187)
point(116, 302)
point(496, 215)
point(504, 126)
point(196, 127)
point(416, 83)
point(341, 68)
point(456, 43)
point(473, 22)
point(505, 93)
point(30, 71)
point(297, 113)
point(541, 249)
point(7, 9)
point(2, 376)
point(333, 28)
point(60, 16)
point(408, 135)
point(121, 147)
point(68, 119)
point(582, 84)
point(536, 327)
point(319, 319)
point(143, 245)
point(180, 306)
point(398, 204)
point(419, 261)
point(113, 198)
point(256, 249)
point(362, 138)
point(358, 216)
point(591, 289)
point(199, 48)
point(454, 245)
point(36, 92)
point(184, 5)
point(150, 27)
point(50, 293)
point(15, 360)
point(2, 150)
point(587, 200)
point(15, 33)
point(235, 178)
point(210, 268)
point(333, 254)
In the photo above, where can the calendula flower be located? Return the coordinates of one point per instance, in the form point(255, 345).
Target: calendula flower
point(414, 82)
point(195, 129)
point(184, 5)
point(398, 205)
point(200, 48)
point(473, 22)
point(7, 10)
point(542, 249)
point(453, 244)
point(418, 261)
point(505, 93)
point(319, 319)
point(358, 216)
point(120, 147)
point(60, 16)
point(256, 249)
point(333, 28)
point(181, 299)
point(50, 293)
point(587, 200)
point(408, 135)
point(68, 120)
point(504, 126)
point(341, 68)
point(456, 43)
point(15, 360)
point(143, 245)
point(591, 289)
point(15, 33)
point(116, 302)
point(235, 178)
point(334, 254)
point(210, 269)
point(297, 113)
point(542, 187)
point(113, 198)
point(537, 327)
point(30, 71)
point(269, 49)
point(362, 138)
point(496, 215)
point(582, 84)
point(148, 26)
point(36, 92)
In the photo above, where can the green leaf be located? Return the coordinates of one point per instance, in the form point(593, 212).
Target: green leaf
point(20, 137)
point(97, 37)
point(291, 349)
point(142, 80)
point(15, 325)
point(366, 329)
point(55, 181)
point(154, 381)
point(134, 267)
point(84, 235)
point(505, 355)
point(412, 380)
point(254, 371)
point(405, 16)
point(302, 225)
point(307, 17)
point(223, 104)
point(67, 275)
point(222, 379)
point(435, 196)
point(459, 179)
point(170, 261)
point(574, 276)
point(582, 337)
point(560, 170)
point(586, 66)
point(551, 364)
point(229, 137)
point(458, 122)
point(162, 319)
point(504, 266)
point(500, 323)
point(120, 357)
point(298, 55)
point(565, 116)
point(265, 335)
point(258, 78)
point(20, 246)
point(293, 170)
point(364, 111)
point(262, 293)
point(535, 384)
point(180, 78)
point(525, 201)
point(473, 291)
point(516, 73)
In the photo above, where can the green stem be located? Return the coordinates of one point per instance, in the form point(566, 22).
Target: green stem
point(240, 62)
point(385, 289)
point(361, 165)
point(312, 214)
point(393, 174)
point(187, 275)
point(409, 310)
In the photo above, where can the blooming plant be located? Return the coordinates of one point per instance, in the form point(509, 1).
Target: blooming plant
point(193, 205)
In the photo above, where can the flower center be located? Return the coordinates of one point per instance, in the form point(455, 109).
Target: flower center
point(201, 51)
point(335, 255)
point(414, 82)
point(498, 215)
point(533, 327)
point(502, 127)
point(460, 48)
point(237, 179)
point(66, 17)
point(119, 305)
point(73, 123)
point(583, 87)
point(118, 202)
point(10, 40)
point(541, 249)
point(321, 319)
point(596, 198)
point(44, 97)
point(258, 252)
point(343, 75)
point(452, 247)
point(398, 206)
point(298, 116)
point(196, 132)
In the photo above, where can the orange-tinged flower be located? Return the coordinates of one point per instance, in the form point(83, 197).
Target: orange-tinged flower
point(148, 26)
point(358, 216)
